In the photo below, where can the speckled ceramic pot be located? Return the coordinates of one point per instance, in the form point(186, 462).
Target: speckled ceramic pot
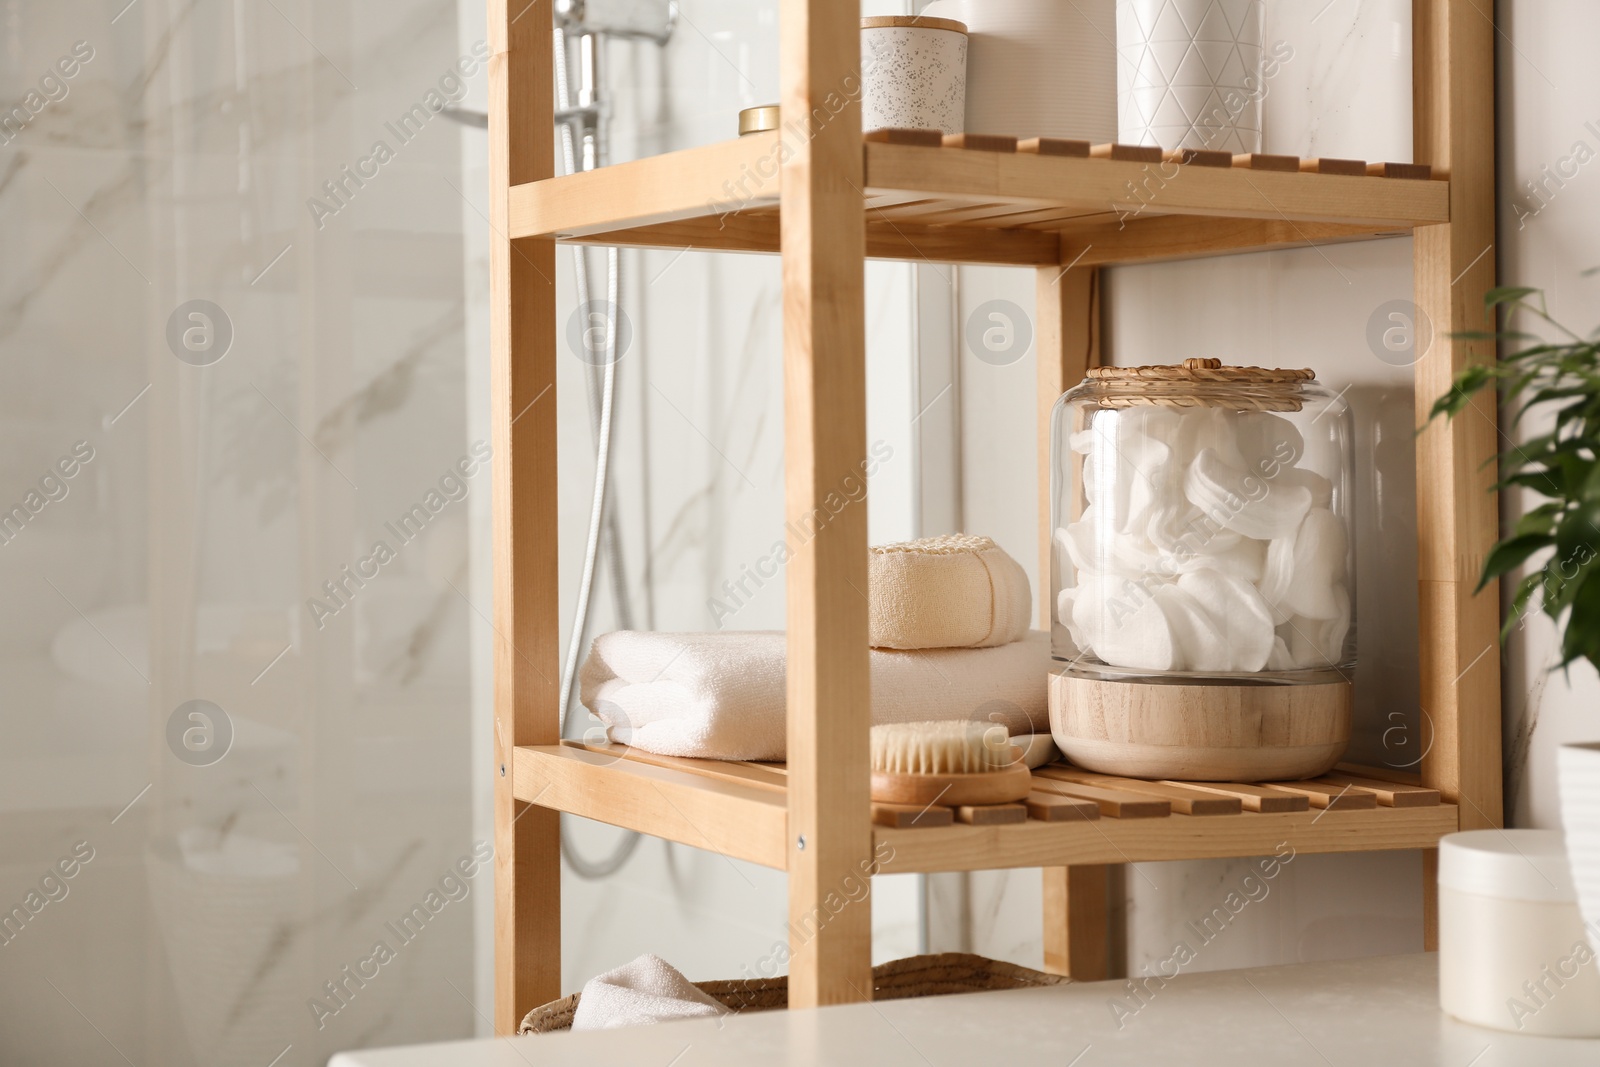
point(913, 73)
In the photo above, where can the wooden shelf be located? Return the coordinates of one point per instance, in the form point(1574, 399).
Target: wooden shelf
point(740, 810)
point(913, 195)
point(966, 205)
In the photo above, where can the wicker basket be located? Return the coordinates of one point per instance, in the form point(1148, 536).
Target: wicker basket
point(915, 976)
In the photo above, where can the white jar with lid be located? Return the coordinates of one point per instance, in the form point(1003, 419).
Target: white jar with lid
point(1513, 954)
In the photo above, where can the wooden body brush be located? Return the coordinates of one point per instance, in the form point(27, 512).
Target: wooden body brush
point(947, 763)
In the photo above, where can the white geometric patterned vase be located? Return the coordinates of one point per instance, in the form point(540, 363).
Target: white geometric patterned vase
point(1189, 73)
point(1578, 780)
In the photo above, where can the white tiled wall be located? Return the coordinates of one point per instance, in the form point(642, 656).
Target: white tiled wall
point(176, 163)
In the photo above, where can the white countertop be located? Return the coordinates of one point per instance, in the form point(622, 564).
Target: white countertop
point(1363, 1013)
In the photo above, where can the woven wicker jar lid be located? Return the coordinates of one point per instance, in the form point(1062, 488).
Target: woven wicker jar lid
point(1198, 383)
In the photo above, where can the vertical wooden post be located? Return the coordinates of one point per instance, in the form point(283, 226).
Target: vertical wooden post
point(824, 246)
point(1457, 518)
point(1077, 904)
point(527, 914)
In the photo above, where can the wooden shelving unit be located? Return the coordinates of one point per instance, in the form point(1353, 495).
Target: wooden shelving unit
point(826, 199)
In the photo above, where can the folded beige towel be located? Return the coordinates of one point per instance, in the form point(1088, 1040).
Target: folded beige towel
point(956, 591)
point(721, 695)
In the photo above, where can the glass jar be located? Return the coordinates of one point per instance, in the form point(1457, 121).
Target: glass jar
point(1202, 572)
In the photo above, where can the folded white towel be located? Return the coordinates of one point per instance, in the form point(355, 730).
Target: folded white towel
point(721, 695)
point(648, 990)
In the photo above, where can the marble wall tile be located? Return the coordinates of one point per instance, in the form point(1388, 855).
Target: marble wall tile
point(177, 165)
point(1346, 90)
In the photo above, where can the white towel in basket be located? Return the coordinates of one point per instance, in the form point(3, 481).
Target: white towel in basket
point(721, 695)
point(648, 990)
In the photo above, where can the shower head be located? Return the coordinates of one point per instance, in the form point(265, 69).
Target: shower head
point(648, 20)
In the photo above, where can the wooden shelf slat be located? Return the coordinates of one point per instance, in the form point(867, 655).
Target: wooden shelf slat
point(1255, 797)
point(973, 201)
point(1355, 167)
point(1185, 799)
point(1331, 796)
point(761, 775)
point(1178, 837)
point(1389, 794)
point(905, 816)
point(979, 142)
point(991, 814)
point(1266, 161)
point(739, 809)
point(1128, 153)
point(1055, 146)
point(1050, 807)
point(1206, 191)
point(1199, 157)
point(1114, 803)
point(744, 821)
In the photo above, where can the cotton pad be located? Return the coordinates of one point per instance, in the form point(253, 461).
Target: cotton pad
point(1277, 575)
point(1093, 546)
point(1321, 488)
point(1244, 558)
point(1237, 613)
point(1319, 642)
point(1125, 462)
point(1248, 504)
point(1201, 647)
point(1319, 558)
point(1201, 540)
point(1206, 428)
point(1123, 624)
point(1263, 438)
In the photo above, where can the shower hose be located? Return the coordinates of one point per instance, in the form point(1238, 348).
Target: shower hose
point(602, 391)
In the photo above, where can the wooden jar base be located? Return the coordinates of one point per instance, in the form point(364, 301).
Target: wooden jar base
point(1214, 733)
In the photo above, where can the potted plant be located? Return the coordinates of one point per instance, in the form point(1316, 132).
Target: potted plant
point(1559, 382)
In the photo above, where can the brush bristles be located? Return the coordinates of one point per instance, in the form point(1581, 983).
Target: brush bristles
point(959, 747)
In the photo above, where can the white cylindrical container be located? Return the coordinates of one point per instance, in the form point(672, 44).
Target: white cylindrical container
point(1039, 68)
point(1578, 774)
point(913, 73)
point(1190, 73)
point(1512, 950)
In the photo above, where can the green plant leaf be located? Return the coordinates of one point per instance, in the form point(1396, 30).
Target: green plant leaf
point(1558, 380)
point(1507, 294)
point(1581, 637)
point(1541, 520)
point(1539, 481)
point(1467, 383)
point(1510, 554)
point(1519, 602)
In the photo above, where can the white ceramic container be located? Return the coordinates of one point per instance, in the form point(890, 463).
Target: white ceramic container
point(1190, 73)
point(1512, 950)
point(1578, 777)
point(913, 73)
